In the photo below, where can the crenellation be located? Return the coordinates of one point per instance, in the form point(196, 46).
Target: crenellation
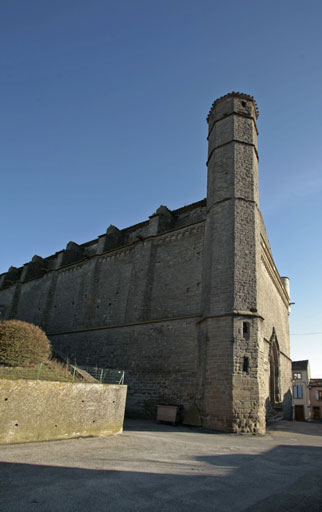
point(231, 103)
point(72, 254)
point(12, 276)
point(34, 269)
point(162, 220)
point(113, 238)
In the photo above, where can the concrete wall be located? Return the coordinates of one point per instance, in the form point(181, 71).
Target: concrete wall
point(32, 410)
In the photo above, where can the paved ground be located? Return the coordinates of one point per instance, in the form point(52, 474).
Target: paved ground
point(158, 467)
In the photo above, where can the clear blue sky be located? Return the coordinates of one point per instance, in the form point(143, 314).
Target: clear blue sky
point(102, 119)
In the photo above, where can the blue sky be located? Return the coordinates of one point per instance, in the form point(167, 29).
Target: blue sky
point(102, 119)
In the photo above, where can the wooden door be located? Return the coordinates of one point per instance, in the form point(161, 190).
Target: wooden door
point(316, 413)
point(299, 413)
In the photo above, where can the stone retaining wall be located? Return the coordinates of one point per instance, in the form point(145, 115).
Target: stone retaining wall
point(32, 410)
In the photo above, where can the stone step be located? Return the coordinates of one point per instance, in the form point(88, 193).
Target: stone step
point(273, 418)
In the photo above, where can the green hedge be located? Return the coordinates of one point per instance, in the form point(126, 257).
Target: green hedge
point(22, 344)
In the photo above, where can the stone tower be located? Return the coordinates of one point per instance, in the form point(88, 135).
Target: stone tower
point(231, 322)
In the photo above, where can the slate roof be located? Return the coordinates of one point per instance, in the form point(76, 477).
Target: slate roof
point(300, 365)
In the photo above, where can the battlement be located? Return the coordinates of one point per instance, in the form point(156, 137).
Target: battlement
point(232, 95)
point(161, 221)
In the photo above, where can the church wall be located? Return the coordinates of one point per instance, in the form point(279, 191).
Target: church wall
point(274, 310)
point(31, 303)
point(216, 351)
point(151, 280)
point(160, 360)
point(68, 297)
point(6, 300)
point(154, 280)
point(109, 288)
point(111, 310)
point(249, 409)
point(176, 279)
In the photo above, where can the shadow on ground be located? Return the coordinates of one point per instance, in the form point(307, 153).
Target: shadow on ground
point(286, 478)
point(297, 427)
point(133, 425)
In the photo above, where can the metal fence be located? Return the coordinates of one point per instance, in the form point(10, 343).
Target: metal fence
point(104, 375)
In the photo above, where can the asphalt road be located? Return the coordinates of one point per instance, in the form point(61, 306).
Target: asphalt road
point(159, 467)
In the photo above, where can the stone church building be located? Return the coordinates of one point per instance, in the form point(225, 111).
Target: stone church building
point(189, 303)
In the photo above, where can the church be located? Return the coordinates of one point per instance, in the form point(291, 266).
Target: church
point(189, 303)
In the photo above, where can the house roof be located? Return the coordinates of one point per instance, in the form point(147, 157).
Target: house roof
point(315, 383)
point(300, 365)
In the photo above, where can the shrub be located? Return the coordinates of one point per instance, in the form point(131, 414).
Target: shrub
point(22, 344)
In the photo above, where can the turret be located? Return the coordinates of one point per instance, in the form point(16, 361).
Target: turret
point(232, 201)
point(231, 261)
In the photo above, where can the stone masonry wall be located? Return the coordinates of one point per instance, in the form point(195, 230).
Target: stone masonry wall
point(160, 359)
point(216, 388)
point(232, 253)
point(274, 307)
point(132, 308)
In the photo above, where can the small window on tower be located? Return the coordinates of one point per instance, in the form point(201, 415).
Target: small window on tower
point(246, 330)
point(246, 364)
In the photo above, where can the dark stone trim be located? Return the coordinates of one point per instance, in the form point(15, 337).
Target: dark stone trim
point(119, 326)
point(229, 142)
point(232, 313)
point(233, 113)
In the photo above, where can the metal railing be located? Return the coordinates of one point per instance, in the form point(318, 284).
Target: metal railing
point(104, 375)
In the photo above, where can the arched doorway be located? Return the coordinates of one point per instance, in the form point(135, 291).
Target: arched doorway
point(274, 375)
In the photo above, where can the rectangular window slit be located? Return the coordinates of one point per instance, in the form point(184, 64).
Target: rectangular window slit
point(246, 364)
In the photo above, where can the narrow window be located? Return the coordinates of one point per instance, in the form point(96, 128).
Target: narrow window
point(298, 391)
point(246, 364)
point(246, 330)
